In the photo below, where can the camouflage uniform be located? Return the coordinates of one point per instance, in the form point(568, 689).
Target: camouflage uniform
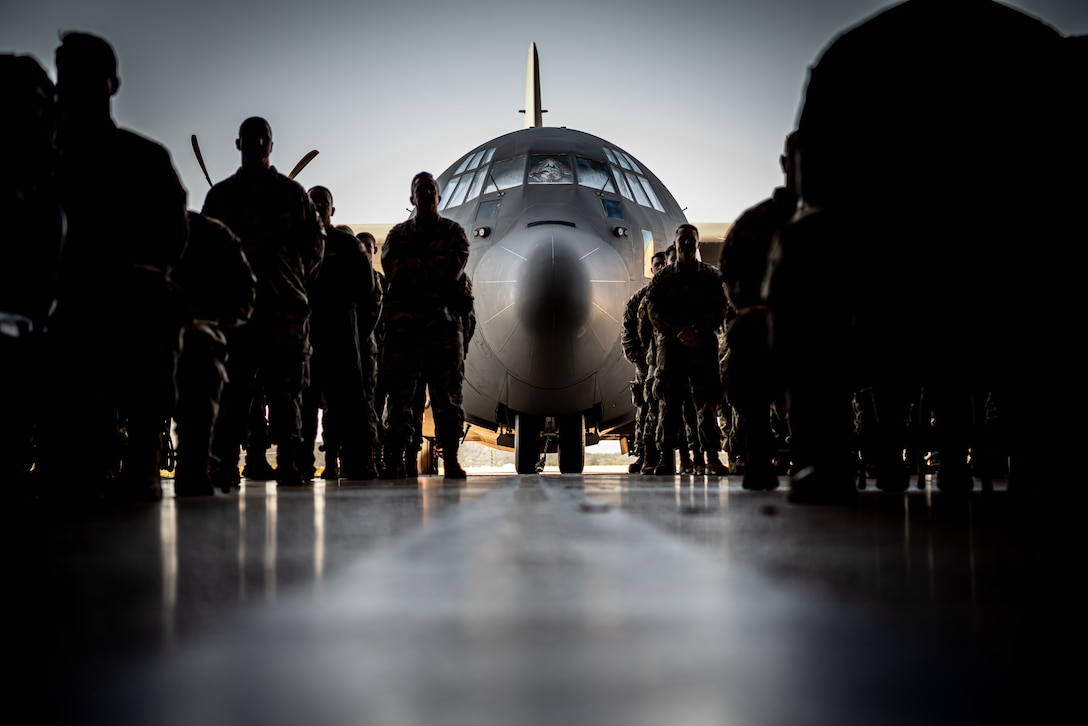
point(370, 335)
point(114, 298)
point(284, 242)
point(217, 289)
point(750, 384)
point(419, 403)
point(687, 295)
point(651, 389)
point(344, 282)
point(423, 313)
point(31, 238)
point(635, 352)
point(931, 181)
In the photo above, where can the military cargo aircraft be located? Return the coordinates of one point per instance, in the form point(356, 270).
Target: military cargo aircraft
point(562, 226)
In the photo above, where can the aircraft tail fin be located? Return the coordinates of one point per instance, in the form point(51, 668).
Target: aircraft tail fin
point(534, 115)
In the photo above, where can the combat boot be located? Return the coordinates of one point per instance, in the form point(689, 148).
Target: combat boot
point(191, 478)
point(139, 480)
point(714, 465)
point(667, 465)
point(394, 465)
point(287, 473)
point(698, 463)
point(257, 466)
point(224, 473)
point(760, 478)
point(370, 471)
point(635, 466)
point(687, 466)
point(452, 468)
point(954, 475)
point(651, 461)
point(358, 465)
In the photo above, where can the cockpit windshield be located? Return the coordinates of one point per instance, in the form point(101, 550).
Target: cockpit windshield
point(505, 174)
point(550, 170)
point(476, 175)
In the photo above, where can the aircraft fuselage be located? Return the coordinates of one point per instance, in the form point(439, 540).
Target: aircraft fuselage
point(562, 225)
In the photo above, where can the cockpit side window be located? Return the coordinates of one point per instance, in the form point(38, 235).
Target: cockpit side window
point(622, 184)
point(630, 161)
point(466, 184)
point(630, 180)
point(550, 169)
point(594, 174)
point(456, 195)
point(649, 189)
point(636, 188)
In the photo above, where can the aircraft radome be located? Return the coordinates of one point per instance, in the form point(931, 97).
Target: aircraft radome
point(562, 225)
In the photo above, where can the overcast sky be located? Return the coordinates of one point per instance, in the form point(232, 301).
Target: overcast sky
point(701, 91)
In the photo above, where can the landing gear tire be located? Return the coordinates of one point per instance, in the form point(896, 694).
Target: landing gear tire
point(527, 443)
point(572, 443)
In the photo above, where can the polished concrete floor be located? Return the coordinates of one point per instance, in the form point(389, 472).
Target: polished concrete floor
point(551, 600)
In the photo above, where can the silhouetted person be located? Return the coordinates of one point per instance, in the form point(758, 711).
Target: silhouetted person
point(114, 331)
point(31, 237)
point(932, 147)
point(284, 242)
point(217, 290)
point(344, 281)
point(371, 334)
point(687, 306)
point(750, 383)
point(424, 260)
point(420, 402)
point(635, 350)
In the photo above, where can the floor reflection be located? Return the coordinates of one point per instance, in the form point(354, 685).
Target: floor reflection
point(576, 583)
point(941, 562)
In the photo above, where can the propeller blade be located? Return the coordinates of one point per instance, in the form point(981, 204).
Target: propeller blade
point(302, 163)
point(200, 159)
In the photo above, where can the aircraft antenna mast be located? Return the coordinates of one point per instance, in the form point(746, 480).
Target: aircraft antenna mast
point(534, 115)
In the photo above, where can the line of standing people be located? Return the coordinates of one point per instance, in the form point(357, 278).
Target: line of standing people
point(113, 324)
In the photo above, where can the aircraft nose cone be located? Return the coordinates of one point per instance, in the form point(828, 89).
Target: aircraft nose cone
point(549, 300)
point(554, 295)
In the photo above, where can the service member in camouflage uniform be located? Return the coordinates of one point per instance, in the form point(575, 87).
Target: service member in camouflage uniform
point(750, 384)
point(31, 239)
point(691, 455)
point(127, 226)
point(284, 242)
point(635, 351)
point(344, 282)
point(419, 403)
point(216, 288)
point(424, 260)
point(922, 199)
point(371, 335)
point(687, 306)
point(648, 338)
